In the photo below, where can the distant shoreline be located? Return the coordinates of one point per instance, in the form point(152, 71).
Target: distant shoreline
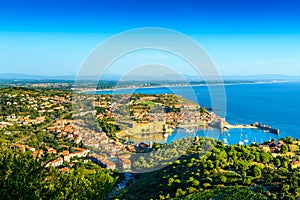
point(182, 85)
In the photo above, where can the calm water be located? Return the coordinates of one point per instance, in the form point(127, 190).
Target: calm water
point(274, 104)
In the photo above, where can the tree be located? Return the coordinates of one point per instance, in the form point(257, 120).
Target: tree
point(223, 179)
point(277, 162)
point(22, 177)
point(256, 171)
point(196, 183)
point(179, 192)
point(284, 149)
point(203, 110)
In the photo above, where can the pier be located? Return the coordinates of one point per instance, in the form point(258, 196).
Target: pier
point(266, 128)
point(255, 125)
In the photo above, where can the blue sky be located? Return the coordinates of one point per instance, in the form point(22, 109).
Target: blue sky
point(241, 37)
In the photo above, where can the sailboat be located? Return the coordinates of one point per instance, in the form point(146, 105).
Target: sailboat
point(254, 142)
point(246, 140)
point(225, 141)
point(270, 139)
point(241, 142)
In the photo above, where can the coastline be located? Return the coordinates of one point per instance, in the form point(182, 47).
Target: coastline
point(191, 85)
point(180, 85)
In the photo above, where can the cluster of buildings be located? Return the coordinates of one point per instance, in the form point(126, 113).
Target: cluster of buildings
point(47, 85)
point(110, 149)
point(121, 162)
point(63, 128)
point(66, 156)
point(24, 120)
point(39, 106)
point(63, 157)
point(274, 147)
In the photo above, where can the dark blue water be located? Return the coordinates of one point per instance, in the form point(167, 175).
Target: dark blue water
point(274, 104)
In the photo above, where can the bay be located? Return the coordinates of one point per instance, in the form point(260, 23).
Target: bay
point(274, 104)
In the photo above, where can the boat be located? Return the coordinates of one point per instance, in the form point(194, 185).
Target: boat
point(246, 140)
point(254, 142)
point(225, 141)
point(270, 139)
point(241, 142)
point(166, 135)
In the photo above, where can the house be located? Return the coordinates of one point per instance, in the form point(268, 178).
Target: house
point(126, 163)
point(100, 160)
point(264, 148)
point(5, 124)
point(19, 147)
point(40, 120)
point(80, 154)
point(38, 153)
point(110, 165)
point(66, 156)
point(130, 148)
point(55, 163)
point(295, 164)
point(274, 149)
point(51, 150)
point(65, 170)
point(30, 148)
point(77, 140)
point(142, 147)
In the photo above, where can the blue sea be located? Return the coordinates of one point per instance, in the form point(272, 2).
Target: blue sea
point(275, 104)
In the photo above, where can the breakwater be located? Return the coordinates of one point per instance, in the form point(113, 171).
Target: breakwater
point(255, 125)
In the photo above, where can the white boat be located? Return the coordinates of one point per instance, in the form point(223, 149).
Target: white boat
point(246, 140)
point(241, 142)
point(225, 141)
point(166, 135)
point(254, 142)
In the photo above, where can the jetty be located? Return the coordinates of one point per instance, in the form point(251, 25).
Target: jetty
point(266, 128)
point(230, 126)
point(255, 125)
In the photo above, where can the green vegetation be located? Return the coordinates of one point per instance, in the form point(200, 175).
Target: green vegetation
point(22, 177)
point(224, 172)
point(108, 127)
point(190, 168)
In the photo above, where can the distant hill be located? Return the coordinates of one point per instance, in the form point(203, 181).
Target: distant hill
point(112, 77)
point(15, 76)
point(263, 77)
